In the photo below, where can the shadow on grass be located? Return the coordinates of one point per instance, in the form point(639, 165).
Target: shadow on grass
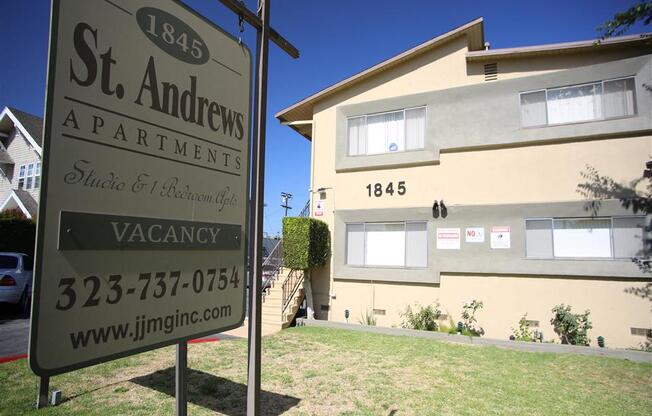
point(216, 393)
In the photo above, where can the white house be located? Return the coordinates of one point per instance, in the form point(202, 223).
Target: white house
point(20, 161)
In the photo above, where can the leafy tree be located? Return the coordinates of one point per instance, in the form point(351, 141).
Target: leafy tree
point(635, 195)
point(623, 21)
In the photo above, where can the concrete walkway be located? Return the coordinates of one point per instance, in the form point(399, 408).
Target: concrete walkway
point(636, 356)
point(243, 331)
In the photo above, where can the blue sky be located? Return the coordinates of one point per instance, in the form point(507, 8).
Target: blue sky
point(337, 38)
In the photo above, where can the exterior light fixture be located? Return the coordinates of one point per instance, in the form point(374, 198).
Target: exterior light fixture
point(435, 209)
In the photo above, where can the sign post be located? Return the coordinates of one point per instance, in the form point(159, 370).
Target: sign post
point(42, 391)
point(142, 218)
point(181, 391)
point(264, 34)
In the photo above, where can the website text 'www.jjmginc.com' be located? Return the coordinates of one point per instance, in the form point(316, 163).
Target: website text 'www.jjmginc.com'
point(144, 326)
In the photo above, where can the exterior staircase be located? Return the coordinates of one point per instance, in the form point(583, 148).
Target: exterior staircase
point(283, 290)
point(281, 301)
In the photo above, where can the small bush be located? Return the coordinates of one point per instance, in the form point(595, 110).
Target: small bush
point(468, 317)
point(524, 333)
point(572, 328)
point(424, 319)
point(368, 319)
point(306, 243)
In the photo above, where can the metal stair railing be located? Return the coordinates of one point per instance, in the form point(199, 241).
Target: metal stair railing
point(305, 212)
point(290, 286)
point(272, 266)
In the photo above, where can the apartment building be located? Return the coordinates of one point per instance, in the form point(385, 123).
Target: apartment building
point(20, 161)
point(450, 172)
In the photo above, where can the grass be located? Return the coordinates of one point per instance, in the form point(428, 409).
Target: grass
point(316, 371)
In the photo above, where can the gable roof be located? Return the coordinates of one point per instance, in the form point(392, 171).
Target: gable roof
point(302, 110)
point(29, 125)
point(22, 200)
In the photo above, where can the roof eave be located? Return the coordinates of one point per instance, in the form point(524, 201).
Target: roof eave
point(566, 47)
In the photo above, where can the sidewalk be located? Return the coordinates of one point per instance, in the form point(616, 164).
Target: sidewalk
point(636, 356)
point(242, 332)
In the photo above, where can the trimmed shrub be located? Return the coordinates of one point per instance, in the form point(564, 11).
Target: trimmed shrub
point(17, 235)
point(572, 328)
point(306, 243)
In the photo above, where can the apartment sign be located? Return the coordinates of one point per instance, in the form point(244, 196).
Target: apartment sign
point(143, 205)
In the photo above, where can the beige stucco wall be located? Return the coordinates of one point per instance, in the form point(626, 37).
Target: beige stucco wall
point(514, 67)
point(527, 174)
point(506, 299)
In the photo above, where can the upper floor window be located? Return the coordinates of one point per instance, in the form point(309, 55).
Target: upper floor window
point(390, 132)
point(576, 103)
point(29, 176)
point(617, 237)
point(389, 244)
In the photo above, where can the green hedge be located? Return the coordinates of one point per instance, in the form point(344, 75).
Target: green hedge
point(17, 236)
point(306, 243)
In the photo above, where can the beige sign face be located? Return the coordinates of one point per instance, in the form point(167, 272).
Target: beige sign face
point(143, 206)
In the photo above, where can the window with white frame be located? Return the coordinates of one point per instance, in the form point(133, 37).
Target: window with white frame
point(604, 237)
point(388, 244)
point(577, 103)
point(29, 176)
point(394, 131)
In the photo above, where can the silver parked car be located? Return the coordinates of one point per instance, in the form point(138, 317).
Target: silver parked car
point(16, 280)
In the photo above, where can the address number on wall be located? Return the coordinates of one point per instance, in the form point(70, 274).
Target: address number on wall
point(379, 190)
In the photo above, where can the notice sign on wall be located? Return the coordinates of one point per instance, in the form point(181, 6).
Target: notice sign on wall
point(142, 217)
point(500, 237)
point(448, 238)
point(319, 208)
point(474, 235)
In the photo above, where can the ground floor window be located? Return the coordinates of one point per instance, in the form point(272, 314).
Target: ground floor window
point(603, 237)
point(387, 244)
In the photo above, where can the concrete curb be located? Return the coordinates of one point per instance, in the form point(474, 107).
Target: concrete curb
point(635, 356)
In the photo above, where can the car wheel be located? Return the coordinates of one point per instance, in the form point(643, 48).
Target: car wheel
point(24, 303)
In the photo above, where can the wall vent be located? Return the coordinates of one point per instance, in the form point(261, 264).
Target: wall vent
point(325, 308)
point(643, 332)
point(443, 317)
point(491, 72)
point(532, 324)
point(379, 311)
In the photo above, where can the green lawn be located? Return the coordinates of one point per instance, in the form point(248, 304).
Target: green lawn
point(315, 371)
